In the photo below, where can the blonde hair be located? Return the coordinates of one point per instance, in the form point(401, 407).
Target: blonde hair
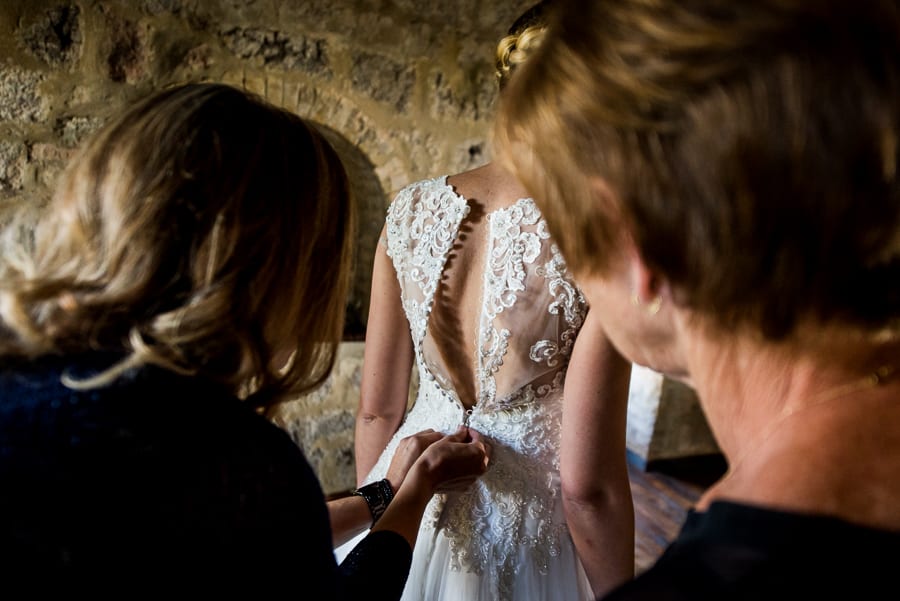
point(748, 148)
point(523, 38)
point(203, 231)
point(513, 50)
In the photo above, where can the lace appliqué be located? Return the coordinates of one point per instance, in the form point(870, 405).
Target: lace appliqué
point(504, 276)
point(514, 508)
point(569, 300)
point(421, 229)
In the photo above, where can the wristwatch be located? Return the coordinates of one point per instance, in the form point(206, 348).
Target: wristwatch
point(378, 496)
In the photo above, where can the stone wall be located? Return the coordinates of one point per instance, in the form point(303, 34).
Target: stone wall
point(404, 89)
point(665, 420)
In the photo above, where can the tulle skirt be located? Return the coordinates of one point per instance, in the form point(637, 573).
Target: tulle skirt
point(539, 568)
point(432, 577)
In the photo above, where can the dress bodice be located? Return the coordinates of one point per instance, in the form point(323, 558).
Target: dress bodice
point(530, 309)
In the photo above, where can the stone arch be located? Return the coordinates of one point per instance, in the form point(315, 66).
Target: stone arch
point(375, 166)
point(370, 201)
point(374, 170)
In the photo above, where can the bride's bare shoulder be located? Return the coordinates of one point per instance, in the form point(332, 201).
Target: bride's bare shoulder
point(490, 184)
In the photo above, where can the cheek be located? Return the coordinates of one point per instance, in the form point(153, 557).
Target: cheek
point(601, 295)
point(615, 313)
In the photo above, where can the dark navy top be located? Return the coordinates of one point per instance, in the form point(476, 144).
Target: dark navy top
point(161, 478)
point(738, 552)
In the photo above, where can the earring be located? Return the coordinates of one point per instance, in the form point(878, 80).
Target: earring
point(653, 306)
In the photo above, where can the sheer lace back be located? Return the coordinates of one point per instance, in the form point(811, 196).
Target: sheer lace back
point(529, 309)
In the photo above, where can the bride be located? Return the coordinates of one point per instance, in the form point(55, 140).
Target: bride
point(468, 285)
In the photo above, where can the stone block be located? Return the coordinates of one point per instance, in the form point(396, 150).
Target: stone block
point(156, 7)
point(20, 98)
point(198, 58)
point(264, 47)
point(12, 166)
point(55, 35)
point(73, 129)
point(129, 57)
point(665, 420)
point(383, 79)
point(322, 422)
point(460, 95)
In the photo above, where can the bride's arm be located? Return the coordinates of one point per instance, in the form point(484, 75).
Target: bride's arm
point(596, 491)
point(384, 392)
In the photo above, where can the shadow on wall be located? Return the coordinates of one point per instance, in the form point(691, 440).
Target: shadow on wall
point(371, 203)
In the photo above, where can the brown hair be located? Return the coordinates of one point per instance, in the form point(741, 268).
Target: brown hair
point(750, 147)
point(203, 231)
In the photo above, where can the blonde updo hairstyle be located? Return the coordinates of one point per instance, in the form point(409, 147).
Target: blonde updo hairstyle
point(523, 37)
point(203, 231)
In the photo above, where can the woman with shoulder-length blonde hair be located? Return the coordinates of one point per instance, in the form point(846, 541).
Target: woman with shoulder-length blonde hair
point(143, 254)
point(191, 271)
point(723, 179)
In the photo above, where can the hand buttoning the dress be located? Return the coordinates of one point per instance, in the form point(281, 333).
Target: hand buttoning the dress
point(441, 463)
point(426, 463)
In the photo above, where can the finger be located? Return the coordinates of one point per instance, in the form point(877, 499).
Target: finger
point(425, 439)
point(475, 435)
point(476, 458)
point(480, 441)
point(422, 434)
point(461, 435)
point(430, 435)
point(485, 449)
point(457, 484)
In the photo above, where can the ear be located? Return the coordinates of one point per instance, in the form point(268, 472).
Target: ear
point(648, 287)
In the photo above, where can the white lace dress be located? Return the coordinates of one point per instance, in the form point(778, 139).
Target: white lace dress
point(505, 538)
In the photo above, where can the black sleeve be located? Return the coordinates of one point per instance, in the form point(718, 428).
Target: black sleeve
point(293, 514)
point(377, 568)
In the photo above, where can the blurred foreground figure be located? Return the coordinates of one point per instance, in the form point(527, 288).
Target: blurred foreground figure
point(722, 178)
point(191, 270)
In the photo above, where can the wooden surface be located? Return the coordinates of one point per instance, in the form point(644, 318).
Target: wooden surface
point(663, 493)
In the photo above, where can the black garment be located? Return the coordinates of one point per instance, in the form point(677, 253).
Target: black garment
point(740, 552)
point(160, 478)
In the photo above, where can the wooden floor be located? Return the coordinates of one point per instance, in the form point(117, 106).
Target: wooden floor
point(663, 492)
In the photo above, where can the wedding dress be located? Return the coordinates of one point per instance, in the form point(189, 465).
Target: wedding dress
point(505, 538)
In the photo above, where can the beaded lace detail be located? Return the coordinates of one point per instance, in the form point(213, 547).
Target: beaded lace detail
point(531, 311)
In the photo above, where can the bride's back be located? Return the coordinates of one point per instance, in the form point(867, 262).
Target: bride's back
point(499, 310)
